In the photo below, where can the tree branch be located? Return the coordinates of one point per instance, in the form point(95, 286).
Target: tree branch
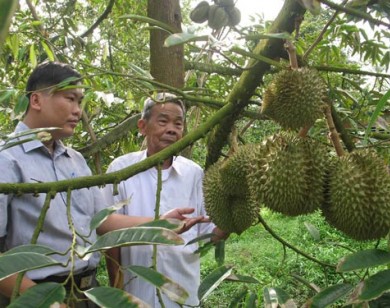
point(279, 239)
point(118, 176)
point(355, 13)
point(106, 12)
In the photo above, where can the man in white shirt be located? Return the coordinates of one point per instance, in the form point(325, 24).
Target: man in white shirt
point(162, 124)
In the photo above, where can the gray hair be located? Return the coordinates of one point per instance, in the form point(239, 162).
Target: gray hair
point(160, 98)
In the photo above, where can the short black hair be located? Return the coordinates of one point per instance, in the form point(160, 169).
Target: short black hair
point(160, 98)
point(49, 74)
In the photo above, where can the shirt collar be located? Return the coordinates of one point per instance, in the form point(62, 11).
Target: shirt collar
point(175, 164)
point(36, 144)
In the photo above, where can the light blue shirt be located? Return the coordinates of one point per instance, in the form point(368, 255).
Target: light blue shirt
point(31, 162)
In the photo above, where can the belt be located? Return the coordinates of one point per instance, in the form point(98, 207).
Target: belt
point(83, 280)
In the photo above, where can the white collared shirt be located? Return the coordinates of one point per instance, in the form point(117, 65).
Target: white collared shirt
point(181, 187)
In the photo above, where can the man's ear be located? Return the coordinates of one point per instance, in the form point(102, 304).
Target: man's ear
point(142, 126)
point(35, 101)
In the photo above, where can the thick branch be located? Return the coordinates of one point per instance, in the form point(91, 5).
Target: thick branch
point(355, 13)
point(118, 176)
point(251, 78)
point(115, 134)
point(106, 12)
point(212, 68)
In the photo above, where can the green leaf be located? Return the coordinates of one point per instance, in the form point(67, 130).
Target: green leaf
point(21, 104)
point(185, 37)
point(33, 56)
point(169, 223)
point(102, 215)
point(135, 236)
point(202, 237)
point(329, 295)
point(314, 232)
point(213, 280)
point(374, 286)
point(44, 250)
point(7, 10)
point(363, 259)
point(150, 21)
point(173, 290)
point(220, 252)
point(48, 51)
point(23, 261)
point(276, 297)
point(42, 295)
point(6, 95)
point(379, 107)
point(252, 301)
point(139, 71)
point(238, 298)
point(241, 278)
point(113, 298)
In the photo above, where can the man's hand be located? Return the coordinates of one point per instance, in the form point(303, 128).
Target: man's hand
point(187, 222)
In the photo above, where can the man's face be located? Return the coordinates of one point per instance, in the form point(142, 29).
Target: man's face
point(60, 109)
point(163, 128)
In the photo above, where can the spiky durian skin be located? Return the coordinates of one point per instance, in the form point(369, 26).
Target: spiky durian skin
point(230, 213)
point(358, 199)
point(294, 98)
point(234, 170)
point(288, 175)
point(245, 212)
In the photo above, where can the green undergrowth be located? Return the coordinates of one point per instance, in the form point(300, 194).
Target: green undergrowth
point(256, 253)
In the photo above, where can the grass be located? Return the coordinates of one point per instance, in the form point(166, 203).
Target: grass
point(257, 254)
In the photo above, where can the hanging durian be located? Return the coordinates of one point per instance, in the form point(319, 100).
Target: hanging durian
point(358, 196)
point(288, 174)
point(229, 213)
point(234, 170)
point(294, 98)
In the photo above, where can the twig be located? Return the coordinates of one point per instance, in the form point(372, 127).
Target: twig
point(278, 238)
point(322, 33)
point(97, 155)
point(333, 134)
point(156, 216)
point(34, 238)
point(106, 12)
point(292, 54)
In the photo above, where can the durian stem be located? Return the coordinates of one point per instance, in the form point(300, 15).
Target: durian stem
point(278, 238)
point(303, 132)
point(333, 134)
point(292, 54)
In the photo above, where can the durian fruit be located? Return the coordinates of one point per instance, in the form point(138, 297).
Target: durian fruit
point(294, 98)
point(288, 174)
point(231, 214)
point(234, 170)
point(200, 13)
point(358, 196)
point(217, 17)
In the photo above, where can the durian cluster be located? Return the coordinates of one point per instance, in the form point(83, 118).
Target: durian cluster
point(294, 98)
point(222, 13)
point(296, 176)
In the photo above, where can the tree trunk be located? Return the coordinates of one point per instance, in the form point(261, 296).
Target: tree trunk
point(166, 63)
